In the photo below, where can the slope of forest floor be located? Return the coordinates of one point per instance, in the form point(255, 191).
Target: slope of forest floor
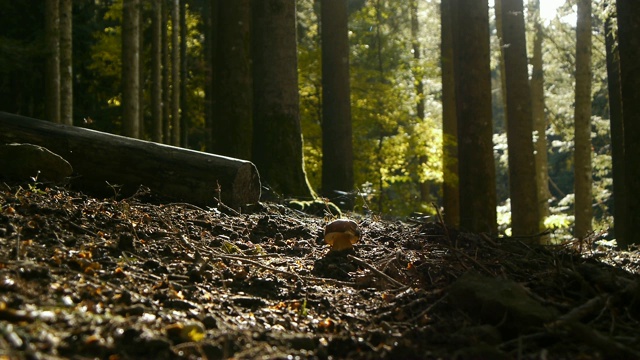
point(82, 277)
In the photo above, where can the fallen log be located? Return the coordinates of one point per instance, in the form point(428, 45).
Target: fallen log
point(99, 159)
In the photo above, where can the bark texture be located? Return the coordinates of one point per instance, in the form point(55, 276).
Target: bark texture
point(629, 48)
point(175, 72)
point(582, 155)
point(617, 130)
point(66, 62)
point(337, 142)
point(525, 216)
point(232, 98)
point(539, 117)
point(451, 199)
point(170, 172)
point(156, 71)
point(473, 108)
point(130, 68)
point(277, 138)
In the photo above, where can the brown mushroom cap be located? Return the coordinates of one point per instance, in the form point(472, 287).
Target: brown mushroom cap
point(341, 234)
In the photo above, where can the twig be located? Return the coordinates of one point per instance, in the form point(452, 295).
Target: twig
point(293, 275)
point(414, 319)
point(444, 226)
point(372, 268)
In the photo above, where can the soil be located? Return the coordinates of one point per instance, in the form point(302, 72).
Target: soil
point(85, 277)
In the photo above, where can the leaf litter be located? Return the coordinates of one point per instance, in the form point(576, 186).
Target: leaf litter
point(82, 277)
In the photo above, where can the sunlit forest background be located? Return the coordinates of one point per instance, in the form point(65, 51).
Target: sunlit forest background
point(396, 110)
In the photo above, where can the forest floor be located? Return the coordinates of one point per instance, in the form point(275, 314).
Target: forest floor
point(82, 277)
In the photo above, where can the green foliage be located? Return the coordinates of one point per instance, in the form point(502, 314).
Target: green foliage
point(394, 151)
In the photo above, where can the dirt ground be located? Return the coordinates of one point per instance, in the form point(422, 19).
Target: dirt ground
point(84, 277)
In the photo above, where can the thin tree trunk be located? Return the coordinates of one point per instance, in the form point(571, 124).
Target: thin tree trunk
point(503, 71)
point(130, 68)
point(141, 70)
point(156, 71)
point(175, 72)
point(629, 49)
point(66, 62)
point(166, 74)
point(539, 118)
point(184, 111)
point(52, 78)
point(473, 107)
point(418, 75)
point(337, 143)
point(582, 156)
point(210, 12)
point(277, 139)
point(451, 198)
point(525, 218)
point(617, 130)
point(417, 68)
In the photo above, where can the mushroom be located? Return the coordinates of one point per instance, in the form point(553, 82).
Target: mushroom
point(341, 234)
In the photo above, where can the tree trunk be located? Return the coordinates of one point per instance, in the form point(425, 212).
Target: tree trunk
point(130, 68)
point(337, 142)
point(122, 164)
point(156, 71)
point(539, 118)
point(210, 16)
point(141, 70)
point(175, 72)
point(525, 218)
point(418, 75)
point(451, 199)
point(629, 49)
point(166, 75)
point(417, 68)
point(473, 107)
point(277, 139)
point(66, 62)
point(582, 156)
point(184, 111)
point(503, 71)
point(617, 131)
point(233, 100)
point(52, 78)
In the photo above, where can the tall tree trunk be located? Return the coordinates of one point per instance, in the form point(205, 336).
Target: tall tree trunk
point(233, 100)
point(52, 78)
point(473, 107)
point(539, 118)
point(582, 156)
point(175, 72)
point(184, 120)
point(166, 74)
point(337, 142)
point(629, 49)
point(503, 71)
point(277, 139)
point(210, 16)
point(66, 62)
point(451, 199)
point(156, 71)
point(525, 216)
point(130, 68)
point(617, 130)
point(418, 75)
point(141, 70)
